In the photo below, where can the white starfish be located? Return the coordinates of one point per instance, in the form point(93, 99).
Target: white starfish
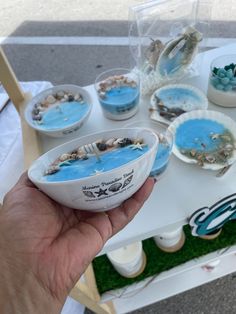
point(97, 172)
point(138, 146)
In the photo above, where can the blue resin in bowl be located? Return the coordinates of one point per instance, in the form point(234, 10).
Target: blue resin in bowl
point(59, 110)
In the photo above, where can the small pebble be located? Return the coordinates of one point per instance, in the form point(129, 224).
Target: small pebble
point(37, 117)
point(35, 111)
point(220, 87)
point(125, 142)
point(101, 146)
point(70, 97)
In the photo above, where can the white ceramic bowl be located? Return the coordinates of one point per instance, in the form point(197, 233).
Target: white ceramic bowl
point(60, 132)
point(73, 194)
point(219, 117)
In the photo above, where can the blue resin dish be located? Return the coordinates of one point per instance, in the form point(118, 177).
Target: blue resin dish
point(61, 117)
point(206, 138)
point(169, 102)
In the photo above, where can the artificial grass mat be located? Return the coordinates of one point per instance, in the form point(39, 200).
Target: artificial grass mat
point(158, 261)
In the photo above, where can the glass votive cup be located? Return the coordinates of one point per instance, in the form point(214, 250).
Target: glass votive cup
point(222, 81)
point(165, 145)
point(118, 92)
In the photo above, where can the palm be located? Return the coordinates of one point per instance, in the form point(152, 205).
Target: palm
point(57, 242)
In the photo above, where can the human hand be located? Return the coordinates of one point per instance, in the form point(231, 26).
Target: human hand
point(45, 247)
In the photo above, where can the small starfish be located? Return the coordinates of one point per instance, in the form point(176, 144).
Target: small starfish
point(97, 172)
point(138, 146)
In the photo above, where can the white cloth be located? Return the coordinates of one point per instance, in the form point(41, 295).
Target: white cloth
point(11, 149)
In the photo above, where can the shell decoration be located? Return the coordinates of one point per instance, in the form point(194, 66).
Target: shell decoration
point(178, 53)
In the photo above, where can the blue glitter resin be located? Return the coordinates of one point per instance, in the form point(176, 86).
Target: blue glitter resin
point(78, 169)
point(120, 99)
point(67, 114)
point(196, 134)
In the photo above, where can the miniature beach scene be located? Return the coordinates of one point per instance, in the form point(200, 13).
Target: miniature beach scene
point(118, 93)
point(95, 158)
point(98, 171)
point(59, 110)
point(206, 138)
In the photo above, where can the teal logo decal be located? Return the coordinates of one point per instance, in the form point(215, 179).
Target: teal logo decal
point(208, 220)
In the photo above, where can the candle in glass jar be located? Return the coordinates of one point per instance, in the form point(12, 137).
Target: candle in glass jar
point(129, 261)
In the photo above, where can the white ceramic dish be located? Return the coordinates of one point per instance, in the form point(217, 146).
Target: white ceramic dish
point(221, 118)
point(60, 131)
point(73, 193)
point(182, 96)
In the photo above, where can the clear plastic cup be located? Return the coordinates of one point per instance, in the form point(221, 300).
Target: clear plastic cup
point(118, 92)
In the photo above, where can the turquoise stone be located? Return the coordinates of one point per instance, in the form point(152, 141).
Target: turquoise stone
point(224, 80)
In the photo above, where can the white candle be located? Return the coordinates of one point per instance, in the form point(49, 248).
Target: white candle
point(170, 241)
point(129, 261)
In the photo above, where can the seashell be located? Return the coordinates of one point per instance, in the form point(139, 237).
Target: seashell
point(210, 158)
point(51, 99)
point(115, 187)
point(193, 152)
point(77, 97)
point(110, 142)
point(117, 142)
point(179, 53)
point(153, 52)
point(60, 94)
point(64, 157)
point(52, 170)
point(229, 147)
